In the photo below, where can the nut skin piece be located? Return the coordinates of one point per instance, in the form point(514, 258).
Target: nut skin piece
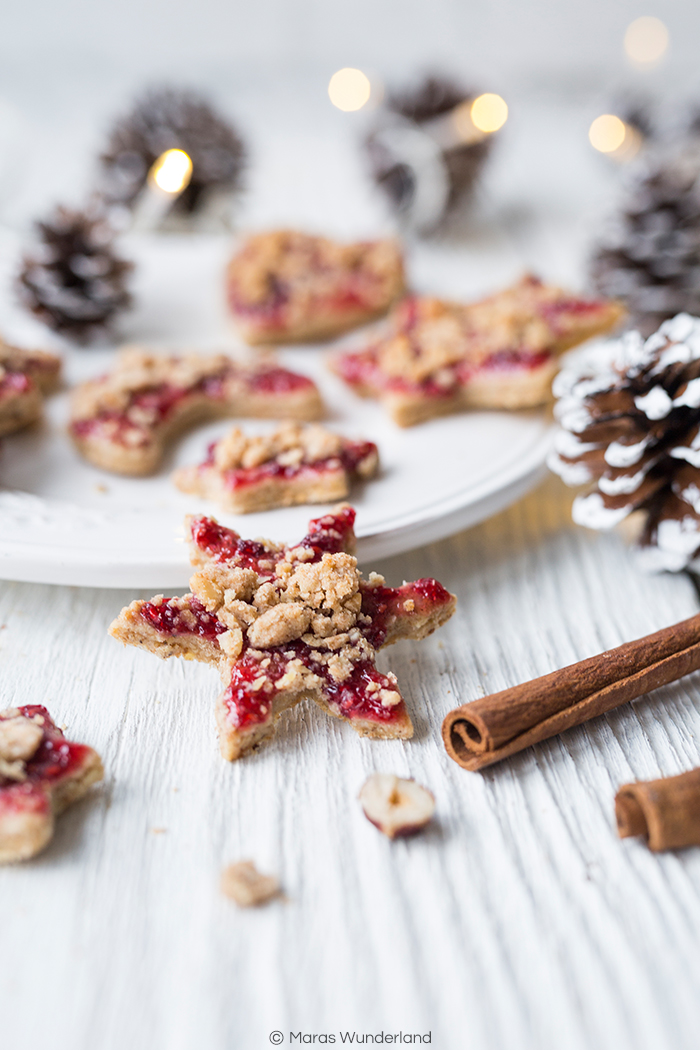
point(245, 885)
point(396, 806)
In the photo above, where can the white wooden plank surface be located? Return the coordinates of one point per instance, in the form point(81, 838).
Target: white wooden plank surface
point(518, 921)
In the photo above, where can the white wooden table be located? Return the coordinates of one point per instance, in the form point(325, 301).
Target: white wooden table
point(519, 920)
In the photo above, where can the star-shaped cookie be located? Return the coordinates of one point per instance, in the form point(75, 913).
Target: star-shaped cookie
point(439, 357)
point(289, 623)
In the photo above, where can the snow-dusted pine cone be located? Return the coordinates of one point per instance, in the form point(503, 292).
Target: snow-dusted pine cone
point(168, 118)
point(630, 423)
point(73, 281)
point(650, 257)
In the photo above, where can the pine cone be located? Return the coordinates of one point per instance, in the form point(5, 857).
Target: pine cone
point(75, 283)
point(651, 258)
point(630, 423)
point(432, 98)
point(166, 118)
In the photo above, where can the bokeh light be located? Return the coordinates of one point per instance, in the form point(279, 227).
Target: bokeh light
point(489, 112)
point(646, 41)
point(172, 171)
point(607, 133)
point(349, 89)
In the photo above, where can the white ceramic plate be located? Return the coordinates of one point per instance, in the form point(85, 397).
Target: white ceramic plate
point(63, 521)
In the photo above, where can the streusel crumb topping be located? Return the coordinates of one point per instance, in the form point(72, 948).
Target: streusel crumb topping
point(290, 445)
point(318, 602)
point(435, 334)
point(19, 739)
point(300, 259)
point(136, 370)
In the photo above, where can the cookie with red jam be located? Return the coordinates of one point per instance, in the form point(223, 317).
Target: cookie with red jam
point(289, 287)
point(502, 352)
point(296, 464)
point(25, 377)
point(41, 774)
point(125, 420)
point(285, 624)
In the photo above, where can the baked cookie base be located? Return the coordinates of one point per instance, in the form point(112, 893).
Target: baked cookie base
point(19, 410)
point(319, 328)
point(326, 486)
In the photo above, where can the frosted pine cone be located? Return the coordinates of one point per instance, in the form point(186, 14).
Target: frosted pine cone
point(630, 423)
point(170, 118)
point(650, 257)
point(74, 282)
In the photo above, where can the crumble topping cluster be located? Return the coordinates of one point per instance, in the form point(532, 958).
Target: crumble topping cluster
point(303, 261)
point(136, 370)
point(290, 445)
point(19, 739)
point(317, 602)
point(432, 335)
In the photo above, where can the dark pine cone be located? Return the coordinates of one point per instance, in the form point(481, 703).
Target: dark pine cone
point(167, 118)
point(651, 260)
point(74, 282)
point(630, 423)
point(433, 97)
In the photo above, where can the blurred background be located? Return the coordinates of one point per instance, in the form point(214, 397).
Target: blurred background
point(67, 70)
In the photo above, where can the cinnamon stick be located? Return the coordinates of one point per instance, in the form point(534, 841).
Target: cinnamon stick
point(666, 811)
point(482, 732)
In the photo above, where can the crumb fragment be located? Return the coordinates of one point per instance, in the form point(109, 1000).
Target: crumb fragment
point(245, 885)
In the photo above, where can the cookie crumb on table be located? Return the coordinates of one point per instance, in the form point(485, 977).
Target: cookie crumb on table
point(245, 885)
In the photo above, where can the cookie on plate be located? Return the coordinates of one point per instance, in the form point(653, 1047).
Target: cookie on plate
point(297, 463)
point(25, 377)
point(289, 287)
point(502, 352)
point(124, 421)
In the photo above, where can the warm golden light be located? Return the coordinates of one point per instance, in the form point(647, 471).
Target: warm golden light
point(464, 127)
point(489, 112)
point(172, 171)
point(607, 133)
point(349, 89)
point(646, 41)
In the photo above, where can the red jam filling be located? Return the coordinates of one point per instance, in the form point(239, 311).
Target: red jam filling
point(15, 383)
point(224, 544)
point(55, 757)
point(384, 605)
point(505, 361)
point(248, 706)
point(575, 307)
point(158, 402)
point(355, 290)
point(168, 618)
point(278, 381)
point(349, 459)
point(331, 534)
